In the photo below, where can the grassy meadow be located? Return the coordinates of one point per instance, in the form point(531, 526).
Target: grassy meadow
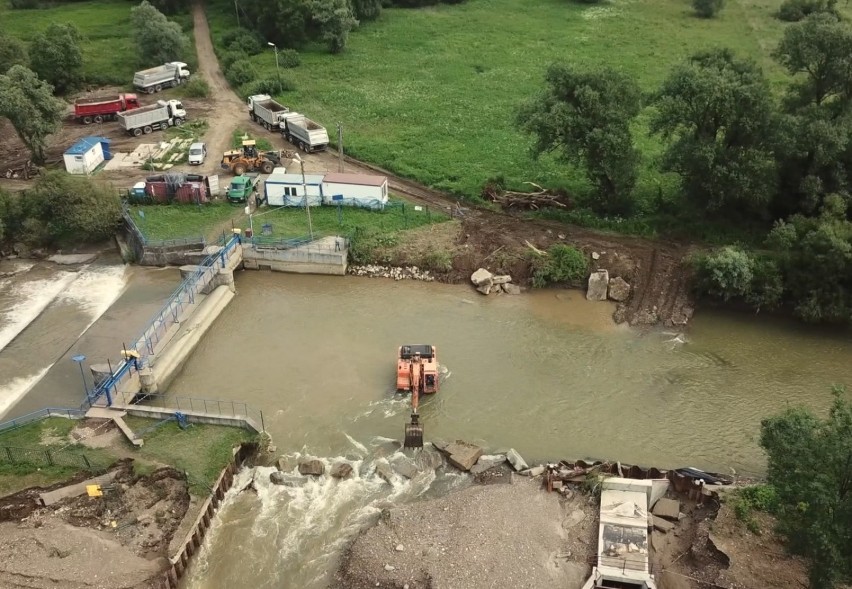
point(109, 54)
point(431, 93)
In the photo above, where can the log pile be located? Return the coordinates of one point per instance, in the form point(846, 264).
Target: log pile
point(25, 172)
point(530, 201)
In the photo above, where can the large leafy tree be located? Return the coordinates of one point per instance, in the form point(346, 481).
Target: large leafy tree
point(12, 52)
point(718, 113)
point(810, 466)
point(56, 57)
point(816, 150)
point(31, 107)
point(159, 40)
point(584, 117)
point(333, 20)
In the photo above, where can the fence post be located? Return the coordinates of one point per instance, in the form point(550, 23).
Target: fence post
point(86, 460)
point(9, 454)
point(262, 425)
point(49, 458)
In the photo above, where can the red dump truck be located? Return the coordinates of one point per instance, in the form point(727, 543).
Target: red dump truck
point(103, 108)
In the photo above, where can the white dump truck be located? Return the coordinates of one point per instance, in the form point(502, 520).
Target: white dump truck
point(163, 76)
point(266, 111)
point(303, 132)
point(152, 117)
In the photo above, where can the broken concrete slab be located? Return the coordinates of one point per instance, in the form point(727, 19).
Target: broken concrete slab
point(404, 466)
point(286, 480)
point(384, 471)
point(463, 455)
point(487, 461)
point(598, 285)
point(512, 289)
point(75, 490)
point(667, 508)
point(480, 277)
point(515, 459)
point(662, 524)
point(535, 471)
point(428, 459)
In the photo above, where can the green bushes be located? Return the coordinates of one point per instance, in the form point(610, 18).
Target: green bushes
point(270, 85)
point(707, 8)
point(289, 58)
point(60, 208)
point(197, 87)
point(562, 264)
point(796, 10)
point(755, 498)
point(239, 73)
point(242, 41)
point(731, 273)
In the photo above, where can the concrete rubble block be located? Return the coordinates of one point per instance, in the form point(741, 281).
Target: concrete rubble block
point(311, 466)
point(286, 463)
point(535, 471)
point(428, 459)
point(481, 276)
point(341, 470)
point(619, 290)
point(598, 284)
point(662, 524)
point(286, 480)
point(484, 288)
point(384, 471)
point(487, 461)
point(515, 459)
point(404, 466)
point(501, 279)
point(440, 444)
point(667, 508)
point(463, 455)
point(512, 289)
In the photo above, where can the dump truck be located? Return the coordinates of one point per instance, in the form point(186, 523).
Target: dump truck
point(163, 76)
point(241, 187)
point(98, 109)
point(152, 117)
point(303, 132)
point(266, 111)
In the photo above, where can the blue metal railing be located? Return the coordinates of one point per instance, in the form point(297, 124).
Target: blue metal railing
point(39, 415)
point(196, 405)
point(170, 314)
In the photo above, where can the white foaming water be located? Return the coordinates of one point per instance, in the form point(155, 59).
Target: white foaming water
point(18, 387)
point(302, 527)
point(31, 298)
point(95, 290)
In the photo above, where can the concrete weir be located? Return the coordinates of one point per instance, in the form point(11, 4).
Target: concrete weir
point(327, 255)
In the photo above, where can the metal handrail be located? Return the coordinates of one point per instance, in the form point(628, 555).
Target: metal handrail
point(23, 420)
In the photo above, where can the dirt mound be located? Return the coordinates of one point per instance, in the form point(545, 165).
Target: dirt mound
point(499, 535)
point(122, 537)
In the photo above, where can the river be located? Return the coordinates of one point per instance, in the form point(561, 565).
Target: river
point(546, 373)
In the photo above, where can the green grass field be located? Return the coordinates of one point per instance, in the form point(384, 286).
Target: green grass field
point(431, 93)
point(181, 220)
point(109, 54)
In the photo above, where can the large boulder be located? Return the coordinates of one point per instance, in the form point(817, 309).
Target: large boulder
point(484, 288)
point(512, 289)
point(428, 459)
point(598, 284)
point(501, 279)
point(287, 480)
point(341, 470)
point(463, 455)
point(404, 466)
point(481, 276)
point(384, 470)
point(619, 290)
point(311, 467)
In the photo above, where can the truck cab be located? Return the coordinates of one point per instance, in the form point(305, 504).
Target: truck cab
point(182, 68)
point(176, 110)
point(241, 187)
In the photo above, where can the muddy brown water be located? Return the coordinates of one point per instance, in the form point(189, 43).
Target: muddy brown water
point(546, 373)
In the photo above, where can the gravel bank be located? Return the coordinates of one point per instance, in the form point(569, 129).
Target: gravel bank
point(492, 536)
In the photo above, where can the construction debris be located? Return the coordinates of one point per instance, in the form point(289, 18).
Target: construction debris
point(509, 199)
point(667, 508)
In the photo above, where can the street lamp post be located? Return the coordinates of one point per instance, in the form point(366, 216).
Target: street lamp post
point(277, 69)
point(79, 358)
point(305, 192)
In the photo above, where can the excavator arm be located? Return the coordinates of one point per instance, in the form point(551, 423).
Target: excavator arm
point(413, 429)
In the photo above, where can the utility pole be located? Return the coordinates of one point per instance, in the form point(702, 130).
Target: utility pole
point(305, 191)
point(237, 10)
point(340, 146)
point(277, 69)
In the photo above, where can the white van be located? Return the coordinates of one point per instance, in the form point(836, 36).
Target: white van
point(197, 153)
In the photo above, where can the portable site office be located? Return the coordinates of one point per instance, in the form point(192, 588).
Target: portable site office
point(288, 190)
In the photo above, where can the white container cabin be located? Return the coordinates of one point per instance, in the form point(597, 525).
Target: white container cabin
point(84, 156)
point(288, 190)
point(362, 190)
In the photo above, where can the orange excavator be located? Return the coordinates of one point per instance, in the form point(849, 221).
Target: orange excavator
point(416, 371)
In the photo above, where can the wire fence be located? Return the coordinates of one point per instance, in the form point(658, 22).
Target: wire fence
point(170, 314)
point(47, 457)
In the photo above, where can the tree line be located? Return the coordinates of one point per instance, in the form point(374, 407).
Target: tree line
point(740, 156)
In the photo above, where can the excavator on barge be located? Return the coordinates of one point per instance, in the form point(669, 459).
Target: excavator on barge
point(417, 372)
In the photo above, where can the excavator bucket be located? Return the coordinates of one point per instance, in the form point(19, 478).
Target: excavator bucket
point(413, 435)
